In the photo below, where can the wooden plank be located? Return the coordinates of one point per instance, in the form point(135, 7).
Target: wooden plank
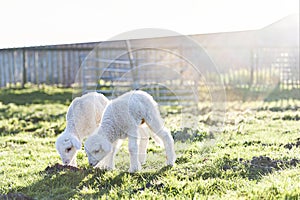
point(1, 71)
point(49, 79)
point(30, 64)
point(45, 66)
point(18, 66)
point(54, 67)
point(14, 66)
point(109, 61)
point(60, 68)
point(24, 68)
point(70, 66)
point(41, 67)
point(9, 68)
point(77, 65)
point(6, 77)
point(36, 68)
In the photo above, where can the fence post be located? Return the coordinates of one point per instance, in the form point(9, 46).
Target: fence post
point(132, 65)
point(24, 79)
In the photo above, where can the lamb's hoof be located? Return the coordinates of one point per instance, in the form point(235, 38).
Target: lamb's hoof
point(134, 169)
point(143, 161)
point(142, 158)
point(171, 162)
point(107, 168)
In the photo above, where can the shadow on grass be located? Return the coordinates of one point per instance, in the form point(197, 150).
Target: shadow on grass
point(35, 95)
point(124, 183)
point(67, 183)
point(55, 185)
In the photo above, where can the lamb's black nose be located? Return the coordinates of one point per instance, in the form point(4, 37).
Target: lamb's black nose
point(91, 164)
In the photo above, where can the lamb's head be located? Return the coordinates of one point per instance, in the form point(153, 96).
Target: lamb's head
point(67, 146)
point(96, 148)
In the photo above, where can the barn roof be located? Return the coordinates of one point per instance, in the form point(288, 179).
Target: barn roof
point(283, 33)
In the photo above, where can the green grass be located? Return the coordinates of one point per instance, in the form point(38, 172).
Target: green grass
point(219, 168)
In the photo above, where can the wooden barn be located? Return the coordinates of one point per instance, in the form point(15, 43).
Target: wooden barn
point(172, 69)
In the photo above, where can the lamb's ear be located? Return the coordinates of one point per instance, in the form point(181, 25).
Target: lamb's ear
point(106, 146)
point(76, 143)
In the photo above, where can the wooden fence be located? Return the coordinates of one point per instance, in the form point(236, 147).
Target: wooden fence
point(160, 72)
point(113, 68)
point(266, 67)
point(42, 65)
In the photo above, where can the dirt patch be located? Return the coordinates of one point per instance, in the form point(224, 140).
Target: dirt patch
point(293, 144)
point(189, 134)
point(265, 162)
point(58, 167)
point(16, 196)
point(258, 166)
point(148, 185)
point(289, 146)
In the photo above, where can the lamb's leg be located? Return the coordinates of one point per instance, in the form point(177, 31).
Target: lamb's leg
point(157, 126)
point(143, 143)
point(133, 151)
point(116, 147)
point(108, 161)
point(168, 141)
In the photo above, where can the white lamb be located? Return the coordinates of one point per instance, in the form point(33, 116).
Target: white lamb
point(120, 120)
point(83, 117)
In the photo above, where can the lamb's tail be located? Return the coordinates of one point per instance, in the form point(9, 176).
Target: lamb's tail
point(148, 133)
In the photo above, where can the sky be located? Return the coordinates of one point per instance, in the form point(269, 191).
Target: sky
point(48, 22)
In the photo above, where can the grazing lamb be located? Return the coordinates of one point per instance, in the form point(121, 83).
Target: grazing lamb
point(83, 117)
point(120, 120)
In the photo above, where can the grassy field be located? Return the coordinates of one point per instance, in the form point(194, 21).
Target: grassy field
point(256, 156)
